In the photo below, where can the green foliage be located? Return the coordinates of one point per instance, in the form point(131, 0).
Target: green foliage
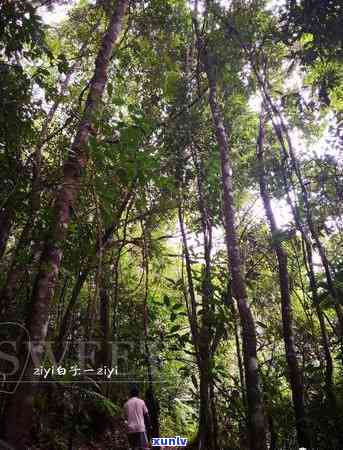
point(21, 30)
point(153, 153)
point(317, 26)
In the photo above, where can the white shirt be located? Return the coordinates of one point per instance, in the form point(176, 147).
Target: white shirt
point(134, 410)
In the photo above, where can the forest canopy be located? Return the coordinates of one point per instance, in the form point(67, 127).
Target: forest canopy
point(171, 203)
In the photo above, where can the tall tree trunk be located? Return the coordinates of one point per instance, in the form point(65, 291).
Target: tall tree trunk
point(200, 337)
point(103, 243)
point(238, 353)
point(207, 434)
point(192, 312)
point(214, 415)
point(285, 141)
point(152, 401)
point(273, 434)
point(329, 389)
point(17, 268)
point(206, 420)
point(145, 269)
point(329, 368)
point(105, 325)
point(62, 339)
point(256, 419)
point(295, 377)
point(309, 268)
point(286, 145)
point(18, 420)
point(280, 130)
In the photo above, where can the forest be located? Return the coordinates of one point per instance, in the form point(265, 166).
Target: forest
point(171, 216)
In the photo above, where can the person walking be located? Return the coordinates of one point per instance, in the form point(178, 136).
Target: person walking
point(136, 416)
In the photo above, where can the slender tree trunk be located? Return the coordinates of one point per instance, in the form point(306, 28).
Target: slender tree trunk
point(128, 202)
point(239, 354)
point(214, 415)
point(152, 402)
point(104, 244)
point(206, 425)
point(105, 325)
point(19, 418)
point(273, 435)
point(207, 435)
point(295, 377)
point(153, 406)
point(62, 342)
point(146, 268)
point(285, 141)
point(201, 340)
point(17, 268)
point(294, 207)
point(312, 280)
point(283, 136)
point(280, 131)
point(256, 419)
point(192, 310)
point(329, 369)
point(61, 300)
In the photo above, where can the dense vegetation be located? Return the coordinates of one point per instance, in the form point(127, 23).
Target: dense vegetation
point(172, 187)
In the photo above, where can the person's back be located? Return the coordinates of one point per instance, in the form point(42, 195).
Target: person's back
point(134, 411)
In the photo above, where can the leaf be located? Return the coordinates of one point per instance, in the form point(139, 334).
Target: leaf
point(184, 338)
point(166, 300)
point(175, 328)
point(110, 89)
point(177, 306)
point(118, 101)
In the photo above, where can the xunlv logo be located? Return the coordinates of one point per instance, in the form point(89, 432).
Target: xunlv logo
point(169, 442)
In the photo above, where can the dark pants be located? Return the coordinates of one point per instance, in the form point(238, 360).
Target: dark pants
point(137, 440)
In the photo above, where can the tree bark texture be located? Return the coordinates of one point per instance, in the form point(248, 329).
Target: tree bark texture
point(295, 377)
point(18, 421)
point(256, 419)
